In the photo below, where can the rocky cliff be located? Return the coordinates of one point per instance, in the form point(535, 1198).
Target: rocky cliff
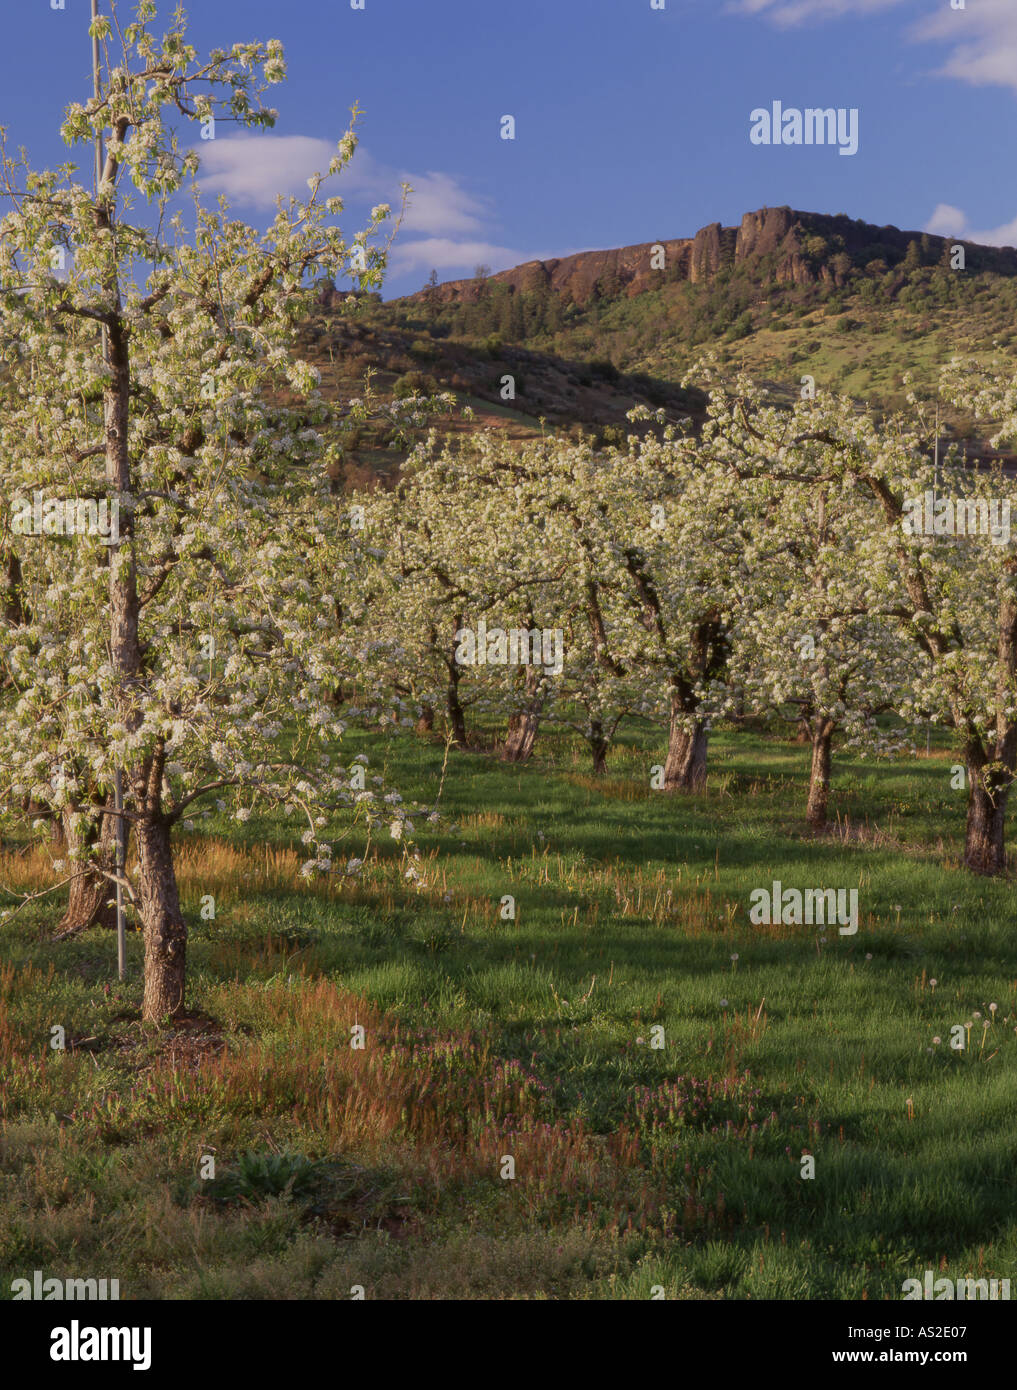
point(774, 243)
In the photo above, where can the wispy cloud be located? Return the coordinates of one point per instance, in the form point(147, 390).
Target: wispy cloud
point(982, 37)
point(256, 169)
point(445, 226)
point(950, 221)
point(787, 13)
point(439, 204)
point(447, 254)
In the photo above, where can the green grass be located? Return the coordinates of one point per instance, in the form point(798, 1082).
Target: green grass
point(636, 1166)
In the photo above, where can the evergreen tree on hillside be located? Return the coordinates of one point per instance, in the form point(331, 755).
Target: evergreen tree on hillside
point(553, 314)
point(517, 319)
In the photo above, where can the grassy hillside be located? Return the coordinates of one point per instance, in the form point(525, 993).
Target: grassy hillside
point(360, 345)
point(856, 326)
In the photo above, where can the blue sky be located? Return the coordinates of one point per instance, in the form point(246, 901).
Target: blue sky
point(632, 123)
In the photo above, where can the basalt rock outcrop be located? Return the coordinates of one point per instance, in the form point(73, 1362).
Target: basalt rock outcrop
point(774, 244)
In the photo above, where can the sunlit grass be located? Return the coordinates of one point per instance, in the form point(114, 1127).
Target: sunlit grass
point(534, 1037)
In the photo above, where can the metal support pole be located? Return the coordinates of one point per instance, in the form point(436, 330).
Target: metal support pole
point(118, 777)
point(118, 794)
point(935, 489)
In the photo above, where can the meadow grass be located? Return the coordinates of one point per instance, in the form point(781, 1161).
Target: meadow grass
point(635, 1166)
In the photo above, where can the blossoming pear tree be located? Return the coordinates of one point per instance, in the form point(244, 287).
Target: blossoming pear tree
point(571, 499)
point(676, 564)
point(815, 640)
point(459, 553)
point(939, 559)
point(153, 373)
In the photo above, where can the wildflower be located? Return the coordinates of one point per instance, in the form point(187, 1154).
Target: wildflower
point(937, 1041)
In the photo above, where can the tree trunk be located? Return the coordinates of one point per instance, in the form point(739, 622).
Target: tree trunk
point(37, 810)
point(13, 605)
point(685, 766)
point(819, 779)
point(521, 734)
point(164, 926)
point(456, 717)
point(453, 707)
point(426, 721)
point(984, 846)
point(599, 744)
point(88, 903)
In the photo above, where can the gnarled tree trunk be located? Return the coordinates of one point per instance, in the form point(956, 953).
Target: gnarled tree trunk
point(520, 737)
point(599, 744)
point(162, 920)
point(88, 903)
point(523, 725)
point(819, 778)
point(456, 715)
point(685, 765)
point(988, 792)
point(453, 705)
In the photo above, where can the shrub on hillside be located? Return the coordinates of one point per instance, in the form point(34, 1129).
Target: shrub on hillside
point(414, 384)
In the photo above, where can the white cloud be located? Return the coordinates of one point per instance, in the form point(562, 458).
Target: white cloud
point(789, 12)
point(444, 253)
point(982, 37)
point(255, 169)
point(440, 205)
point(444, 226)
point(950, 221)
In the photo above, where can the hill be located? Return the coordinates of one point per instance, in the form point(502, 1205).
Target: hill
point(784, 295)
point(776, 245)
